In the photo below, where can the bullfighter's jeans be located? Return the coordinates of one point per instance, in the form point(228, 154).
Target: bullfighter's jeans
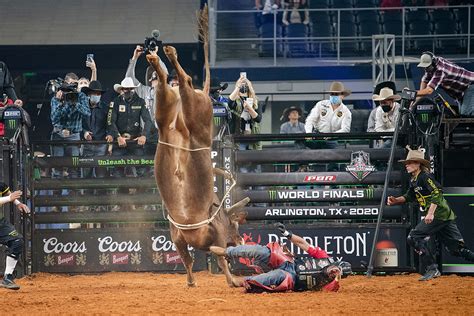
point(261, 256)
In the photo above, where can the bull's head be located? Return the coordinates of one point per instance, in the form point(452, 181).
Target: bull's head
point(237, 216)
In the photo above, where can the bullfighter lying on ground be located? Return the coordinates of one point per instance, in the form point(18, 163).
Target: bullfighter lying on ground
point(317, 271)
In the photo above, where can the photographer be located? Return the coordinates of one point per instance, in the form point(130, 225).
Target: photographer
point(245, 105)
point(68, 109)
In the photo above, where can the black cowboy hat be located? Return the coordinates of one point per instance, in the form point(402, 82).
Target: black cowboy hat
point(217, 85)
point(286, 112)
point(94, 86)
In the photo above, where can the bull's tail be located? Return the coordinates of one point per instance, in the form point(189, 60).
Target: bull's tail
point(203, 23)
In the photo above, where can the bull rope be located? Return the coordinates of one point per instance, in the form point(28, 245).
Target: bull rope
point(209, 220)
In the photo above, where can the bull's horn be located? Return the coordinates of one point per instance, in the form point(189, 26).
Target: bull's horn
point(238, 205)
point(222, 172)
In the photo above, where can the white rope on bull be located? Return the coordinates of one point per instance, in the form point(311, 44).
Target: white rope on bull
point(210, 219)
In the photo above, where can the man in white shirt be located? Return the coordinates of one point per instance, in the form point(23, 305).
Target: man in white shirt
point(331, 116)
point(386, 113)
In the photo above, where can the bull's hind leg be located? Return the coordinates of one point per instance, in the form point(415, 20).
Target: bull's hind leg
point(185, 80)
point(182, 248)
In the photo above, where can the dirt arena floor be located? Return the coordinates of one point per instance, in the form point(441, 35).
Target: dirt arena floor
point(148, 293)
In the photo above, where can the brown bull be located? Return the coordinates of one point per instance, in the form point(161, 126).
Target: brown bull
point(183, 167)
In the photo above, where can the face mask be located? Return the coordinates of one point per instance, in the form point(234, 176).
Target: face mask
point(335, 99)
point(94, 99)
point(386, 108)
point(128, 95)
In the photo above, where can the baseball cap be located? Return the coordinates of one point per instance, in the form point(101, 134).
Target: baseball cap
point(425, 61)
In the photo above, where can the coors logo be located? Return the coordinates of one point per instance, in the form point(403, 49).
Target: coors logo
point(161, 243)
point(52, 245)
point(107, 244)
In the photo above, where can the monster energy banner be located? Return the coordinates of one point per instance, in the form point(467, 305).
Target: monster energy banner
point(80, 251)
point(322, 212)
point(317, 195)
point(98, 161)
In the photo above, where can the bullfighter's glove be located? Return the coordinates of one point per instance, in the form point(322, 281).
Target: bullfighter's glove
point(281, 227)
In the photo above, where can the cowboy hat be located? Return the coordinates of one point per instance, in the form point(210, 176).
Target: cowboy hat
point(288, 110)
point(416, 155)
point(338, 87)
point(94, 86)
point(216, 84)
point(386, 94)
point(126, 83)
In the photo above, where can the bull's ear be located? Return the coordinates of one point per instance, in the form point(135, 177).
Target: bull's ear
point(240, 217)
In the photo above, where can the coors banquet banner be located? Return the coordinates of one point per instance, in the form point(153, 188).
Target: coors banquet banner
point(78, 251)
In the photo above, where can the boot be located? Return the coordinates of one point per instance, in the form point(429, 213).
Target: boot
point(9, 283)
point(431, 273)
point(467, 254)
point(219, 251)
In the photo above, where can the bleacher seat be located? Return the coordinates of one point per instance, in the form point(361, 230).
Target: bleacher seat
point(420, 27)
point(319, 4)
point(448, 45)
point(393, 27)
point(364, 4)
point(441, 15)
point(391, 16)
point(320, 17)
point(342, 4)
point(349, 46)
point(346, 16)
point(416, 16)
point(266, 48)
point(364, 16)
point(296, 48)
point(369, 28)
point(323, 47)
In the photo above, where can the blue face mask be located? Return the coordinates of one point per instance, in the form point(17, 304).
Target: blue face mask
point(335, 99)
point(94, 99)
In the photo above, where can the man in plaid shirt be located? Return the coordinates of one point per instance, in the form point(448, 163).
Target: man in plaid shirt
point(454, 80)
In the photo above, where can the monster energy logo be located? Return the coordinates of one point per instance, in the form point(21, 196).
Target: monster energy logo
point(369, 193)
point(424, 117)
point(75, 161)
point(272, 194)
point(11, 124)
point(217, 120)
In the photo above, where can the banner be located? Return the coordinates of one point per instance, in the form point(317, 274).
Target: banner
point(85, 251)
point(352, 244)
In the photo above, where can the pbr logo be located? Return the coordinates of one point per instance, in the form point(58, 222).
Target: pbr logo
point(360, 166)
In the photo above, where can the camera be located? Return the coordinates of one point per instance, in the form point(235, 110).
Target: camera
point(151, 43)
point(409, 95)
point(53, 85)
point(70, 93)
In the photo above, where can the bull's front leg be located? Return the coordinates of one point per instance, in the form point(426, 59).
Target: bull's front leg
point(153, 60)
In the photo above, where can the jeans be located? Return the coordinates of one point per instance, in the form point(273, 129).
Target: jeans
point(467, 106)
point(261, 255)
point(92, 151)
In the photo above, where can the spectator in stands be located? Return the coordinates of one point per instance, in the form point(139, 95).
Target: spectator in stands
point(437, 3)
point(386, 113)
point(453, 79)
point(215, 92)
point(331, 116)
point(128, 120)
point(83, 81)
point(147, 92)
point(244, 105)
point(296, 12)
point(173, 79)
point(292, 115)
point(390, 3)
point(438, 217)
point(267, 10)
point(66, 117)
point(6, 85)
point(94, 127)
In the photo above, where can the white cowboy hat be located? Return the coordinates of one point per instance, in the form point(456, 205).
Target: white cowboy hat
point(416, 155)
point(386, 94)
point(338, 87)
point(126, 83)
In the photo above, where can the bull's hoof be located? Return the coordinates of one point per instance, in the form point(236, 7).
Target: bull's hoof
point(191, 284)
point(151, 59)
point(170, 52)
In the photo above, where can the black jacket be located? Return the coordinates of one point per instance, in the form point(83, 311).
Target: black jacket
point(6, 82)
point(128, 117)
point(96, 123)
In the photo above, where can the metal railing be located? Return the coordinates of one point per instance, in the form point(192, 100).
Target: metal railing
point(244, 46)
